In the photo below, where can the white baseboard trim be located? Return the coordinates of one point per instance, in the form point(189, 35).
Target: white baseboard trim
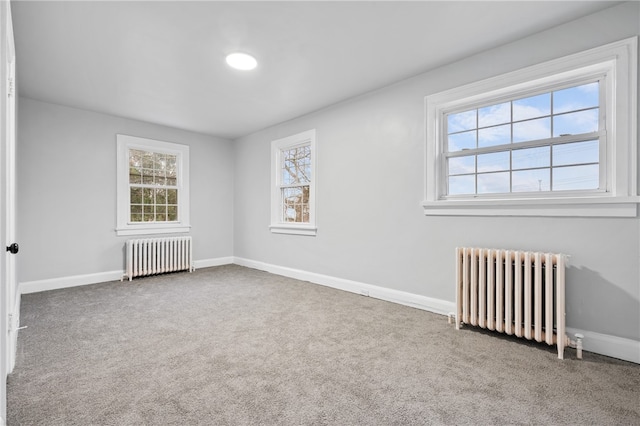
point(100, 277)
point(208, 263)
point(605, 344)
point(65, 282)
point(396, 296)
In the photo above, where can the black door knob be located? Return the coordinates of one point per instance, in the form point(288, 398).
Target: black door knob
point(13, 248)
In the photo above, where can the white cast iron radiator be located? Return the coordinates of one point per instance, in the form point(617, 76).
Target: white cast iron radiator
point(149, 256)
point(514, 292)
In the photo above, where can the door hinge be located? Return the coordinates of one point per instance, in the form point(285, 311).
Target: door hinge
point(11, 87)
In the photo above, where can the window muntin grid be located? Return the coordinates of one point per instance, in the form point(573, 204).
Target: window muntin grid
point(153, 187)
point(545, 142)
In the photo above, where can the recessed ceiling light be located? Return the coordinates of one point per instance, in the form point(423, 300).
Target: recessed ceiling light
point(241, 61)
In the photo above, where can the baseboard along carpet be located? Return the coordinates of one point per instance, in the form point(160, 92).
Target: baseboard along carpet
point(230, 345)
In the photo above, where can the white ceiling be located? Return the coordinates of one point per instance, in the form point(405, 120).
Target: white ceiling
point(163, 62)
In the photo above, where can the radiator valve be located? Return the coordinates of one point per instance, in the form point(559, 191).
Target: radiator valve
point(451, 317)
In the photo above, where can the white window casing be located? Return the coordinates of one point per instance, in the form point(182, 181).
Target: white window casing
point(125, 226)
point(615, 67)
point(302, 220)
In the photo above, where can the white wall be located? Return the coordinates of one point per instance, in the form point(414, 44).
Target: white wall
point(371, 227)
point(67, 190)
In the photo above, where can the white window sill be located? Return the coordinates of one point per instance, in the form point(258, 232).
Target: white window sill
point(552, 207)
point(284, 228)
point(153, 229)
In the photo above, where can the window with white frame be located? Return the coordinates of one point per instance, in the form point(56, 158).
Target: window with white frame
point(557, 139)
point(153, 186)
point(293, 184)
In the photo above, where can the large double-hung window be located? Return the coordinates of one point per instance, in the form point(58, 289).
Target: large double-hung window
point(293, 184)
point(556, 139)
point(153, 186)
point(540, 143)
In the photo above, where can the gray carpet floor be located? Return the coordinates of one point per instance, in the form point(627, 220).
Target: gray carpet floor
point(235, 346)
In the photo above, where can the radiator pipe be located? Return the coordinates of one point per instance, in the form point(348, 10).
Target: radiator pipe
point(450, 317)
point(579, 338)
